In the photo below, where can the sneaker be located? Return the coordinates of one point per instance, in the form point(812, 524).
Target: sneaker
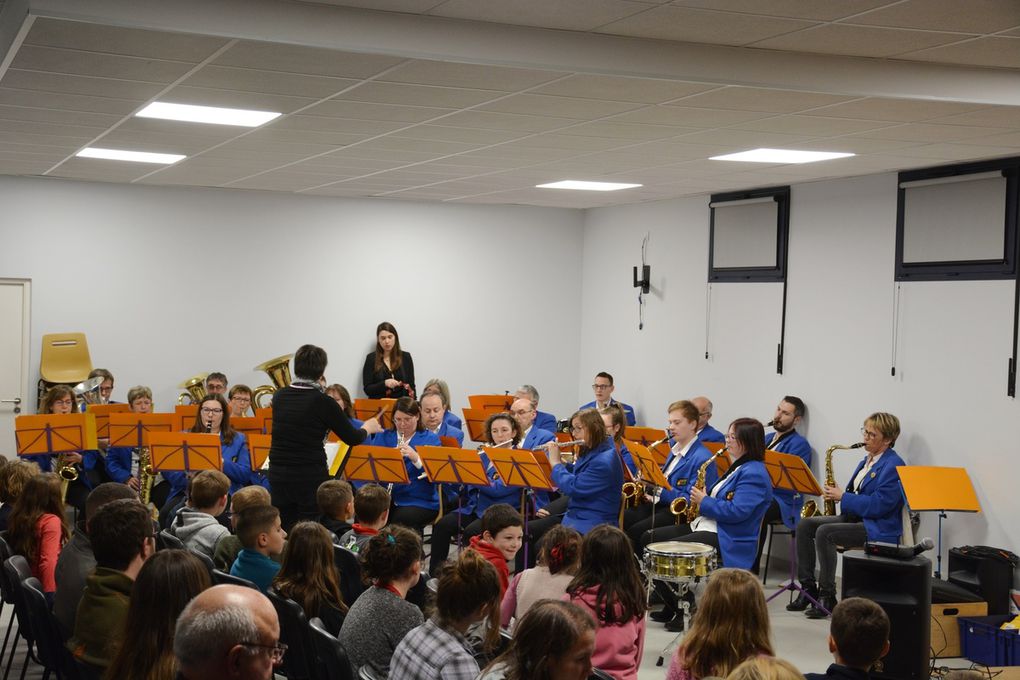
point(802, 602)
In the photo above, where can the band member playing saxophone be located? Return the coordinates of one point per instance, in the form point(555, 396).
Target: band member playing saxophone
point(870, 506)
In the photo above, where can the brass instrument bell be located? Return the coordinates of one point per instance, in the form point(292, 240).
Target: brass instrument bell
point(195, 386)
point(278, 370)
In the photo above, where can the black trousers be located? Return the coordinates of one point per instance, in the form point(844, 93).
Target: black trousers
point(444, 531)
point(294, 497)
point(537, 528)
point(412, 517)
point(639, 520)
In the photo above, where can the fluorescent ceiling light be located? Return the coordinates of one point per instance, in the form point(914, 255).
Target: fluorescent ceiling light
point(781, 156)
point(207, 114)
point(587, 186)
point(136, 156)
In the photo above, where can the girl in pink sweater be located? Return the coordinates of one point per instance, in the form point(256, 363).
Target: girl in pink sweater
point(36, 527)
point(558, 556)
point(608, 586)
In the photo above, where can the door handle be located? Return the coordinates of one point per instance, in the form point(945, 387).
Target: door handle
point(16, 401)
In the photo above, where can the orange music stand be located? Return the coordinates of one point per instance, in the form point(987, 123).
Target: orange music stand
point(474, 421)
point(651, 473)
point(258, 449)
point(491, 403)
point(102, 413)
point(338, 459)
point(55, 433)
point(369, 408)
point(561, 438)
point(131, 429)
point(523, 468)
point(789, 472)
point(186, 415)
point(379, 464)
point(446, 465)
point(938, 489)
point(646, 436)
point(185, 451)
point(248, 425)
point(722, 463)
point(449, 442)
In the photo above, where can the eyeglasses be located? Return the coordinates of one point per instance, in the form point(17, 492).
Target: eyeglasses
point(868, 434)
point(275, 651)
point(600, 387)
point(730, 437)
point(240, 398)
point(520, 412)
point(211, 411)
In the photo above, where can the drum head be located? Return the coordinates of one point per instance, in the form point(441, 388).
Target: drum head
point(679, 548)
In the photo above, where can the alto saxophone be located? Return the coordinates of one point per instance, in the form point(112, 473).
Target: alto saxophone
point(146, 475)
point(694, 509)
point(810, 508)
point(68, 473)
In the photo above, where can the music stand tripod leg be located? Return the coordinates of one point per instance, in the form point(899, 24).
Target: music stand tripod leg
point(792, 584)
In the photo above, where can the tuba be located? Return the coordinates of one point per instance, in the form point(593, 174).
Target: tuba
point(195, 386)
point(810, 508)
point(278, 370)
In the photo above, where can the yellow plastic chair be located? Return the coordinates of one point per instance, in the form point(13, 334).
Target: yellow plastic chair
point(64, 360)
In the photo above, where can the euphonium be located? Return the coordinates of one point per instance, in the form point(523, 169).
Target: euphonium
point(195, 386)
point(278, 370)
point(88, 392)
point(694, 508)
point(810, 508)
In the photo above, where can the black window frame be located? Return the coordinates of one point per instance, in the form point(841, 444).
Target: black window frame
point(781, 195)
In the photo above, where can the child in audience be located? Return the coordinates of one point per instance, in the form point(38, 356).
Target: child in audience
point(381, 617)
point(608, 586)
point(336, 506)
point(732, 625)
point(858, 637)
point(553, 640)
point(372, 512)
point(309, 576)
point(468, 593)
point(558, 556)
point(501, 537)
point(196, 524)
point(262, 535)
point(228, 546)
point(765, 668)
point(13, 478)
point(36, 528)
point(166, 583)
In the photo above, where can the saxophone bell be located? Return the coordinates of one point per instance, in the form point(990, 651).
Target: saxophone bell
point(678, 508)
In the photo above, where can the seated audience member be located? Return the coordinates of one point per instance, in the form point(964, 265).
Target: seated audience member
point(122, 540)
point(706, 432)
point(36, 528)
point(558, 557)
point(870, 510)
point(553, 640)
point(196, 524)
point(336, 505)
point(216, 383)
point(165, 584)
point(228, 633)
point(262, 536)
point(239, 399)
point(381, 617)
point(309, 576)
point(501, 538)
point(76, 559)
point(342, 397)
point(608, 586)
point(432, 416)
point(732, 626)
point(371, 513)
point(858, 638)
point(229, 545)
point(532, 434)
point(13, 478)
point(765, 668)
point(438, 386)
point(603, 388)
point(468, 593)
point(543, 420)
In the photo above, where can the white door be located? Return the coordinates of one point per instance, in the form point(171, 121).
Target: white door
point(14, 345)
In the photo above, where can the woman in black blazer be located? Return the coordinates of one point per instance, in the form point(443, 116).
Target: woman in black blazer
point(388, 371)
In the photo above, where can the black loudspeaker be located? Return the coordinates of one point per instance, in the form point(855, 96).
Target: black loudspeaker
point(903, 589)
point(990, 578)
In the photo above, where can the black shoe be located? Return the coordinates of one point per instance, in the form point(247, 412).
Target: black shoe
point(655, 598)
point(802, 602)
point(828, 601)
point(676, 624)
point(661, 616)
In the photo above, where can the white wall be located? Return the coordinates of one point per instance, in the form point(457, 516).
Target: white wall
point(954, 339)
point(170, 282)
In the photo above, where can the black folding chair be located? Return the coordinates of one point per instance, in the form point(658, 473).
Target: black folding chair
point(333, 661)
point(17, 570)
point(298, 662)
point(167, 541)
point(6, 592)
point(53, 656)
point(350, 574)
point(206, 560)
point(223, 578)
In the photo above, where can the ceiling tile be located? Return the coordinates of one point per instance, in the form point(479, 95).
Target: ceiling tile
point(283, 181)
point(1011, 139)
point(702, 26)
point(270, 82)
point(757, 99)
point(953, 152)
point(452, 74)
point(455, 134)
point(624, 131)
point(259, 101)
point(579, 143)
point(506, 121)
point(67, 84)
point(730, 138)
point(817, 10)
point(316, 137)
point(409, 6)
point(57, 130)
point(417, 95)
point(424, 146)
point(899, 110)
point(993, 51)
point(641, 90)
point(68, 102)
point(564, 107)
point(101, 170)
point(572, 15)
point(687, 116)
point(305, 60)
point(992, 116)
point(812, 125)
point(133, 42)
point(929, 132)
point(864, 41)
point(74, 62)
point(60, 117)
point(347, 125)
point(375, 112)
point(973, 16)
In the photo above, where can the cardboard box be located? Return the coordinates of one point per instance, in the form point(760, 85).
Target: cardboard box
point(945, 632)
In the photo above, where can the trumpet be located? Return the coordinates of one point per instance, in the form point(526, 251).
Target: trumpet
point(810, 508)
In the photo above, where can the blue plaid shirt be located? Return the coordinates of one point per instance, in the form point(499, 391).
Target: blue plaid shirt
point(429, 652)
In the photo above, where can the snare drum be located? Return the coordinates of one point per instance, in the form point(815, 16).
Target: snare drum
point(677, 561)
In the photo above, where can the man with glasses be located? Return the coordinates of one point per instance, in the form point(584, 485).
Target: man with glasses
point(706, 432)
point(543, 420)
point(603, 388)
point(524, 413)
point(216, 383)
point(226, 633)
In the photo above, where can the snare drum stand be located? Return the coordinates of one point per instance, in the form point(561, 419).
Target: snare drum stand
point(681, 589)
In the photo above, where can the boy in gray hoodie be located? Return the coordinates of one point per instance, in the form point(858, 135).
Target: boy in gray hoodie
point(196, 524)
